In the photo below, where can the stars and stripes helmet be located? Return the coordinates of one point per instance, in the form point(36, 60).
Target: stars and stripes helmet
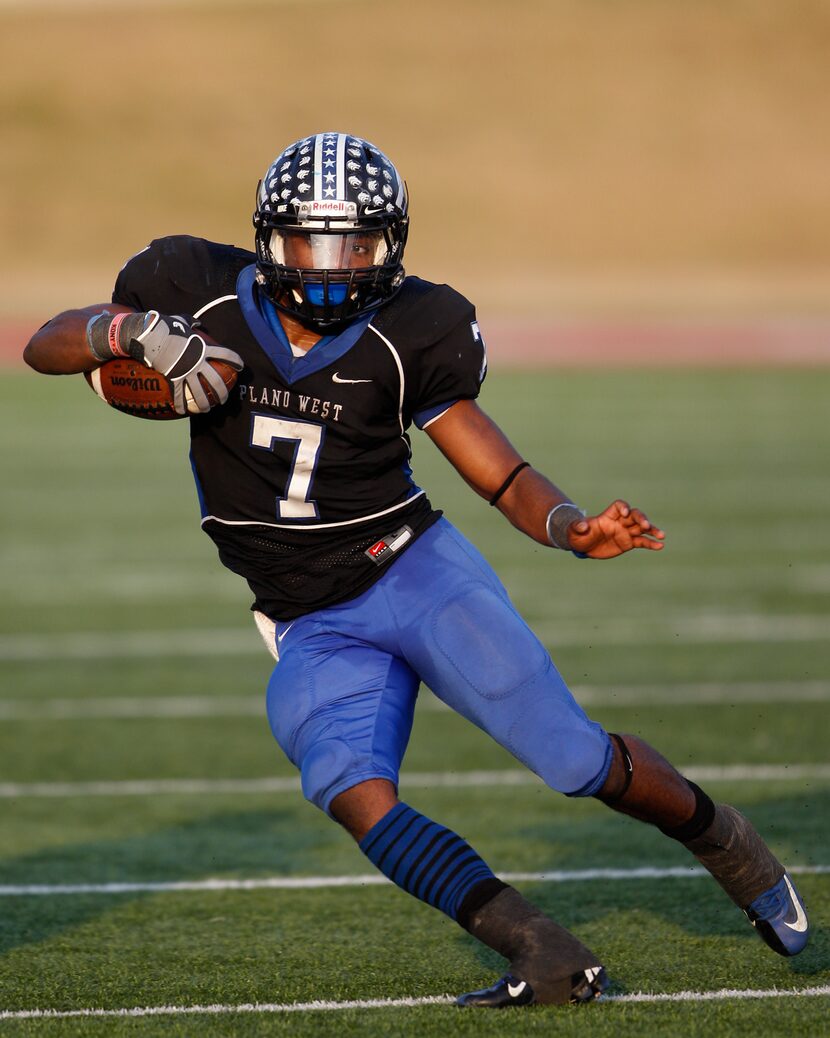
point(331, 224)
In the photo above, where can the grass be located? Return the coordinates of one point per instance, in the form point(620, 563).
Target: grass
point(100, 537)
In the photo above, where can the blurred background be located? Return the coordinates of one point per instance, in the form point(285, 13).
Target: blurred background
point(635, 195)
point(565, 158)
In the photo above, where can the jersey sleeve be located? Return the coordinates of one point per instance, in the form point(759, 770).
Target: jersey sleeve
point(451, 368)
point(179, 274)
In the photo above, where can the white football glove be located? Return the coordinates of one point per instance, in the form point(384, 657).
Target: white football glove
point(168, 345)
point(171, 347)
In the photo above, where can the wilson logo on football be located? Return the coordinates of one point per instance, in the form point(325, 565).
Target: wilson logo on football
point(145, 385)
point(136, 389)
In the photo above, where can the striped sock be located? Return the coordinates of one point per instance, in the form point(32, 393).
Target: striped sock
point(426, 860)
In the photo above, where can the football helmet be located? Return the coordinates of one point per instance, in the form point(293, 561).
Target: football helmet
point(331, 223)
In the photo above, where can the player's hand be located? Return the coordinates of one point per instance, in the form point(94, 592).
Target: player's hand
point(616, 530)
point(170, 346)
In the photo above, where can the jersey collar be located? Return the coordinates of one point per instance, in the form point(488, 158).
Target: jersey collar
point(271, 337)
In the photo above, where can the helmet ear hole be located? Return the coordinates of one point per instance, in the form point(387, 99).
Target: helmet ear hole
point(331, 226)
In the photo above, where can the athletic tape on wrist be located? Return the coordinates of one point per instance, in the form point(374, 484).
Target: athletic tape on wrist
point(96, 336)
point(104, 334)
point(112, 336)
point(557, 524)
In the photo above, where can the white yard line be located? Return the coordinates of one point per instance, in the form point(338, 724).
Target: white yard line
point(704, 629)
point(149, 787)
point(132, 707)
point(373, 879)
point(683, 694)
point(320, 1006)
point(86, 645)
point(695, 693)
point(411, 780)
point(708, 628)
point(723, 995)
point(755, 772)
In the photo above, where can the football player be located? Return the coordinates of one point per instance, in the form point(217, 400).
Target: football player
point(361, 587)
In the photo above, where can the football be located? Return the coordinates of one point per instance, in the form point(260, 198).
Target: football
point(132, 387)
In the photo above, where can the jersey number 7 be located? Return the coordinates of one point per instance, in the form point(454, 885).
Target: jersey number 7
point(307, 439)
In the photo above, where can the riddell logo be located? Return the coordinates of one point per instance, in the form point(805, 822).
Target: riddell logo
point(329, 207)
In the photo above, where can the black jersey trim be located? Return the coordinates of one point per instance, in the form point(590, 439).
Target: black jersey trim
point(316, 526)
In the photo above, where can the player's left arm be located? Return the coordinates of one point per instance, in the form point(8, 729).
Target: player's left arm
point(485, 458)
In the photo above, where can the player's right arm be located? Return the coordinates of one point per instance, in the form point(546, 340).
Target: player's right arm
point(80, 340)
point(166, 278)
point(60, 347)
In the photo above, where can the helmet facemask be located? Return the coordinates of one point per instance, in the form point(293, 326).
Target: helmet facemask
point(328, 260)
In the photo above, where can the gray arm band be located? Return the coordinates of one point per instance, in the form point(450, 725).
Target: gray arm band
point(559, 519)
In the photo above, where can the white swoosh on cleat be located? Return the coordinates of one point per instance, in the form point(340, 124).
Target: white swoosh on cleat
point(514, 992)
point(800, 924)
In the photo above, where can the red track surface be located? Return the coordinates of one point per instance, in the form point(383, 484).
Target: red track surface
point(625, 343)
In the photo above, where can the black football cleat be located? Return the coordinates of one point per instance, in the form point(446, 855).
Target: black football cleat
point(509, 991)
point(586, 985)
point(779, 918)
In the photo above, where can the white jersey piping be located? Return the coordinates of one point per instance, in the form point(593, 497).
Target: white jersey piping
point(426, 425)
point(316, 526)
point(212, 303)
point(399, 365)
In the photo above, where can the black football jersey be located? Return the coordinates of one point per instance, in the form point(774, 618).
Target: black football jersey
point(303, 476)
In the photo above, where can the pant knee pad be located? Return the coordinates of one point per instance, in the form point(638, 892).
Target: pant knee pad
point(486, 642)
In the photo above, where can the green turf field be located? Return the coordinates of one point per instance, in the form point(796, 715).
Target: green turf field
point(126, 656)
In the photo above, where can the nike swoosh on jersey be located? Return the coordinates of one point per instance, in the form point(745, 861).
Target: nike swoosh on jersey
point(800, 924)
point(514, 992)
point(348, 381)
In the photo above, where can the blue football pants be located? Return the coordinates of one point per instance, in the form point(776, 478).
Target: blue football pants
point(342, 696)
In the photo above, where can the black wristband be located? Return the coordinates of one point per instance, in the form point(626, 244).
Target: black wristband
point(509, 480)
